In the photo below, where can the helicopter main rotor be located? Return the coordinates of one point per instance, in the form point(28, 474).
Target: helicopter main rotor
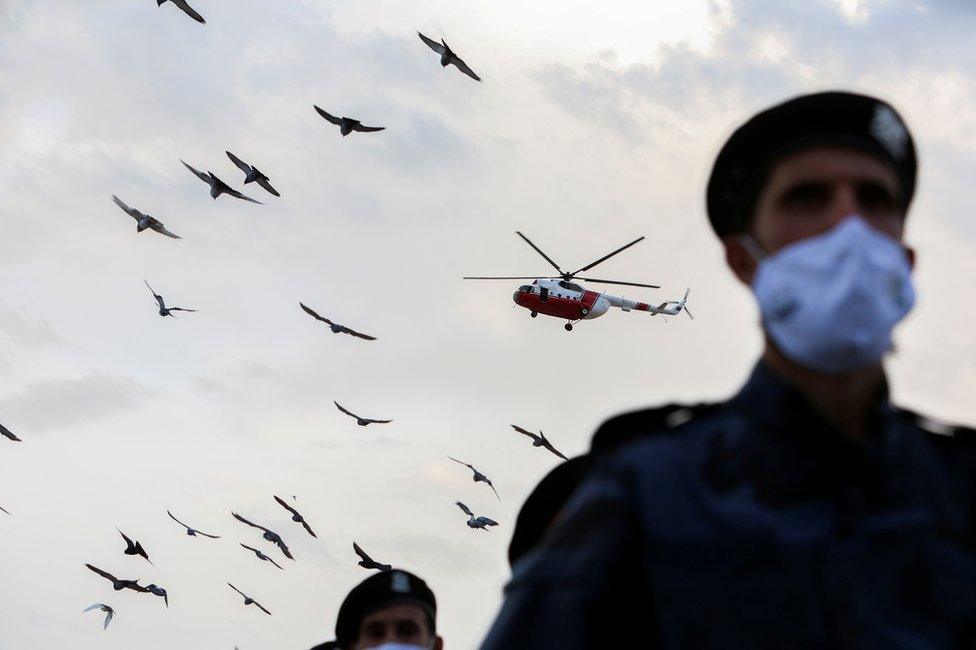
point(564, 275)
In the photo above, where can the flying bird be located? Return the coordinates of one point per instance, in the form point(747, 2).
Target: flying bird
point(478, 476)
point(269, 535)
point(367, 562)
point(346, 124)
point(7, 433)
point(262, 556)
point(159, 591)
point(134, 548)
point(118, 584)
point(217, 186)
point(335, 327)
point(192, 532)
point(248, 600)
point(448, 57)
point(145, 221)
point(187, 9)
point(252, 174)
point(109, 613)
point(2, 509)
point(476, 522)
point(163, 309)
point(539, 440)
point(360, 421)
point(296, 516)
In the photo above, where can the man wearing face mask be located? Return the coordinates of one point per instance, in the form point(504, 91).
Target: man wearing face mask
point(807, 511)
point(390, 610)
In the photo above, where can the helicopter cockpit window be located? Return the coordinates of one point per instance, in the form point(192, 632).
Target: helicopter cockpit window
point(525, 288)
point(569, 285)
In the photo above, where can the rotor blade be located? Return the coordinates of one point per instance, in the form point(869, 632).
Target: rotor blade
point(507, 277)
point(606, 257)
point(629, 284)
point(539, 251)
point(688, 312)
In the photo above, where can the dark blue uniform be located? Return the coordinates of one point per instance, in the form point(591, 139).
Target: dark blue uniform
point(755, 524)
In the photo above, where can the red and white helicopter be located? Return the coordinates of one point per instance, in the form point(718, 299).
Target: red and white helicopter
point(559, 296)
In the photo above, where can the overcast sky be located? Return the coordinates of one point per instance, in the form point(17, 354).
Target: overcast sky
point(596, 123)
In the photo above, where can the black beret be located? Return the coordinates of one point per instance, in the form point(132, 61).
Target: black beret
point(378, 591)
point(822, 119)
point(544, 503)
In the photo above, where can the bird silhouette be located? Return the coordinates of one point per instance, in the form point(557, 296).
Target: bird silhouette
point(448, 57)
point(252, 174)
point(359, 420)
point(163, 309)
point(217, 186)
point(478, 476)
point(2, 509)
point(539, 440)
point(118, 584)
point(346, 124)
point(187, 9)
point(367, 562)
point(159, 591)
point(109, 613)
point(336, 327)
point(192, 532)
point(134, 548)
point(476, 522)
point(262, 556)
point(296, 516)
point(144, 220)
point(269, 535)
point(248, 600)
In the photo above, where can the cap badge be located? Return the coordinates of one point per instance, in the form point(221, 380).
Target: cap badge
point(400, 583)
point(888, 129)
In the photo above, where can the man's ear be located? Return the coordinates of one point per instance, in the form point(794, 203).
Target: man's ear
point(739, 259)
point(439, 643)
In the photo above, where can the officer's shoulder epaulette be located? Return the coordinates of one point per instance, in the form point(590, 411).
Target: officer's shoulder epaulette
point(626, 427)
point(941, 431)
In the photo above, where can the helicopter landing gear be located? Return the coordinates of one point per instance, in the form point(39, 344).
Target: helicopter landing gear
point(533, 314)
point(569, 327)
point(584, 311)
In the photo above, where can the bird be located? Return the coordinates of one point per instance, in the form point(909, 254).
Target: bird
point(145, 221)
point(7, 433)
point(269, 535)
point(118, 584)
point(360, 421)
point(187, 9)
point(109, 612)
point(296, 516)
point(217, 186)
point(262, 556)
point(159, 591)
point(248, 600)
point(539, 440)
point(252, 174)
point(448, 57)
point(335, 327)
point(346, 124)
point(478, 476)
point(163, 309)
point(367, 562)
point(134, 548)
point(192, 532)
point(5, 510)
point(476, 522)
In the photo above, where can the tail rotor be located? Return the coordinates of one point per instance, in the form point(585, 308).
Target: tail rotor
point(683, 305)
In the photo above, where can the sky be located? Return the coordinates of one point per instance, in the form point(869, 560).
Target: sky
point(596, 123)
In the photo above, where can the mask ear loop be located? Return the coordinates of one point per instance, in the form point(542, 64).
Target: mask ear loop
point(752, 246)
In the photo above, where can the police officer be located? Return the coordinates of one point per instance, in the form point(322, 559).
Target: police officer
point(390, 610)
point(807, 511)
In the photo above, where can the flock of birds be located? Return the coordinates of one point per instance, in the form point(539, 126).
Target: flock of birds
point(135, 548)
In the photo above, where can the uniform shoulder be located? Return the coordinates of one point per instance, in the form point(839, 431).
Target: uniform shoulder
point(942, 434)
point(631, 426)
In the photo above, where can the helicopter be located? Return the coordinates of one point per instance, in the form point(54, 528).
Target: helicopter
point(560, 297)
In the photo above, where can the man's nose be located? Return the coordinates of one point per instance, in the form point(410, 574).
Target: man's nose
point(844, 203)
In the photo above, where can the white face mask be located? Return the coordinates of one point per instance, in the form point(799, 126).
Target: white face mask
point(830, 302)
